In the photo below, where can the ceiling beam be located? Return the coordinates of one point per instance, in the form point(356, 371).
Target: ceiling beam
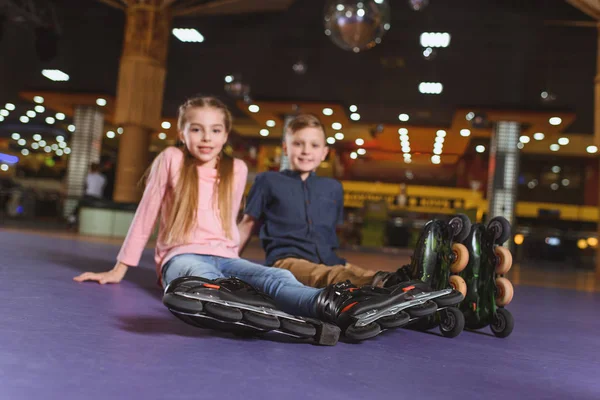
point(590, 7)
point(113, 3)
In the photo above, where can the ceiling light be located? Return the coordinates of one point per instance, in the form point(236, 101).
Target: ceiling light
point(480, 148)
point(430, 87)
point(327, 111)
point(165, 125)
point(55, 75)
point(359, 142)
point(563, 141)
point(435, 39)
point(539, 136)
point(336, 126)
point(465, 133)
point(403, 117)
point(253, 108)
point(555, 121)
point(188, 35)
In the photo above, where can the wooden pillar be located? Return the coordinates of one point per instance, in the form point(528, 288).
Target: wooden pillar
point(140, 92)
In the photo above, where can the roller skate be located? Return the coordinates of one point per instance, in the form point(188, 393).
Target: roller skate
point(437, 258)
point(363, 313)
point(232, 305)
point(487, 289)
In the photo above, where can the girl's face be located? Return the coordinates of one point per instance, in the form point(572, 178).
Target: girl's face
point(204, 134)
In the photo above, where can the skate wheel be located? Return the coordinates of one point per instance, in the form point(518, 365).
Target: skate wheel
point(504, 257)
point(501, 228)
point(461, 258)
point(224, 313)
point(505, 292)
point(262, 321)
point(423, 310)
point(458, 284)
point(394, 321)
point(461, 226)
point(503, 323)
point(362, 333)
point(452, 322)
point(298, 328)
point(182, 304)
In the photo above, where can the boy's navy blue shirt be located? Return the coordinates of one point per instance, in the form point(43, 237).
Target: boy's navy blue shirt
point(298, 217)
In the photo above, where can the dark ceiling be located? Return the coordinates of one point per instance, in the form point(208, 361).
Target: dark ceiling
point(502, 54)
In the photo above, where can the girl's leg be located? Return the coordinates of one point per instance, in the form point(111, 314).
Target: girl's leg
point(190, 265)
point(289, 294)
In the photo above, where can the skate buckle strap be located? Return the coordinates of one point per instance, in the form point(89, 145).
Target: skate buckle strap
point(211, 286)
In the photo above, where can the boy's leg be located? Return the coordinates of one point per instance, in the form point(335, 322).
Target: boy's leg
point(320, 275)
point(190, 265)
point(289, 294)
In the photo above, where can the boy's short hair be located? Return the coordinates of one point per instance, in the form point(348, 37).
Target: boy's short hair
point(302, 121)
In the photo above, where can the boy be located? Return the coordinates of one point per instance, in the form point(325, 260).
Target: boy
point(299, 212)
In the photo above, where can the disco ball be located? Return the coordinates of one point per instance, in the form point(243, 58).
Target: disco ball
point(299, 67)
point(356, 25)
point(418, 5)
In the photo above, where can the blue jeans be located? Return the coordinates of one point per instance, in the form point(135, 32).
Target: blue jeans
point(290, 295)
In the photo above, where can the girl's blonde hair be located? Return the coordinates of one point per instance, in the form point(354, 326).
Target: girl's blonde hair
point(182, 216)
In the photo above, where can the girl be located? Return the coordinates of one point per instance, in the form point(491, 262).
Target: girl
point(197, 191)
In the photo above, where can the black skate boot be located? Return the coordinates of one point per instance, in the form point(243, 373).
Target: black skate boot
point(437, 258)
point(488, 291)
point(363, 312)
point(233, 305)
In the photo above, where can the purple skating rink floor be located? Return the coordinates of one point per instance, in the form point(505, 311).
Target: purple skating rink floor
point(64, 340)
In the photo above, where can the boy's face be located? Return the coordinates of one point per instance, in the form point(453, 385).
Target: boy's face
point(306, 149)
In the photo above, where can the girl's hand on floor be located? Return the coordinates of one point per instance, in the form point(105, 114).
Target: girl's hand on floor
point(115, 275)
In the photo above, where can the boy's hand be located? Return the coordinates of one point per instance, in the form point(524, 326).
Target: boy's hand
point(246, 226)
point(115, 275)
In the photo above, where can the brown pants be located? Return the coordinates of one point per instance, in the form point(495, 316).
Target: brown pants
point(320, 275)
